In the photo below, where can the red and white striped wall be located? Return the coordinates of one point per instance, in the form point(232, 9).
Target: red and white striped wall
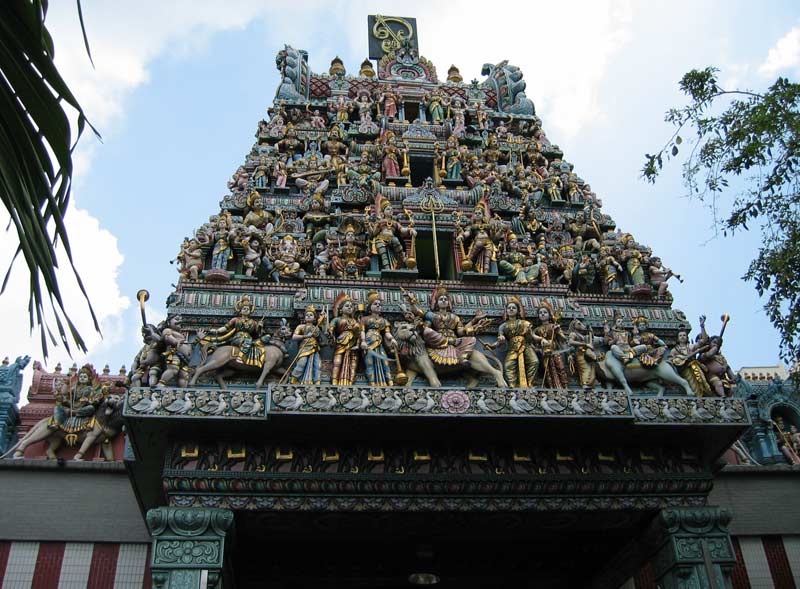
point(762, 562)
point(74, 565)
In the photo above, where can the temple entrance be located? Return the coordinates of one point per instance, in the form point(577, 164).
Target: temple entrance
point(447, 550)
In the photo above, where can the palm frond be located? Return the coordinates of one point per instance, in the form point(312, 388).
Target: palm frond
point(36, 147)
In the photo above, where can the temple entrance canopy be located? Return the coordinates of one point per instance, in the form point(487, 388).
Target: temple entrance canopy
point(412, 346)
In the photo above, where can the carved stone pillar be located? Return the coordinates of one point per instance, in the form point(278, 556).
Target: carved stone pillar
point(693, 548)
point(188, 546)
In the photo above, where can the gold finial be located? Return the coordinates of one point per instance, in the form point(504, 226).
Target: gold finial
point(143, 296)
point(453, 75)
point(366, 70)
point(337, 67)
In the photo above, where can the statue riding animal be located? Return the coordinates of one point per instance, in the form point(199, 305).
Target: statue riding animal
point(417, 361)
point(611, 368)
point(227, 359)
point(102, 427)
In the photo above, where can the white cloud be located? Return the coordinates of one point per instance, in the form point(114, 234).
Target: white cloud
point(784, 55)
point(563, 49)
point(563, 65)
point(734, 74)
point(98, 261)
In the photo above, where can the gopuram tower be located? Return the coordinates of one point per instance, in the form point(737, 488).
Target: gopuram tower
point(411, 347)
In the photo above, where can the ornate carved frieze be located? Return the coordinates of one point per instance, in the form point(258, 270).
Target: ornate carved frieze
point(428, 401)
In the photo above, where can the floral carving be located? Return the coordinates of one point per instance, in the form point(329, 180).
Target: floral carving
point(455, 402)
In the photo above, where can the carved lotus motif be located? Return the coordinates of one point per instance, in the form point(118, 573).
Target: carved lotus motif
point(455, 402)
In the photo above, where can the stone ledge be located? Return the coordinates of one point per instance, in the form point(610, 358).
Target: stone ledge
point(249, 405)
point(71, 465)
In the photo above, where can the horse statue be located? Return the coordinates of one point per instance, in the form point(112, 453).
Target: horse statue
point(611, 368)
point(105, 425)
point(225, 360)
point(417, 361)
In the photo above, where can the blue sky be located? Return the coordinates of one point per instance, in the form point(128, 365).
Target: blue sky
point(179, 88)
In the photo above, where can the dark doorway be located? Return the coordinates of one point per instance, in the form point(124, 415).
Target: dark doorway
point(411, 111)
point(426, 261)
point(421, 168)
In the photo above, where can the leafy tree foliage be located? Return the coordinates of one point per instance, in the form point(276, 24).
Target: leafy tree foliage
point(751, 141)
point(36, 147)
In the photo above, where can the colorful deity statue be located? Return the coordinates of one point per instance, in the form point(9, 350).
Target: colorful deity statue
point(655, 348)
point(659, 275)
point(610, 270)
point(376, 338)
point(364, 175)
point(582, 340)
point(345, 333)
point(683, 358)
point(389, 99)
point(481, 251)
point(340, 109)
point(586, 235)
point(84, 413)
point(550, 342)
point(316, 121)
point(285, 258)
point(517, 262)
point(336, 151)
point(364, 105)
point(718, 372)
point(190, 259)
point(632, 256)
point(584, 274)
point(242, 332)
point(281, 173)
point(317, 219)
point(306, 368)
point(448, 340)
point(290, 145)
point(526, 222)
point(392, 154)
point(435, 102)
point(451, 160)
point(253, 252)
point(788, 439)
point(459, 118)
point(619, 340)
point(521, 363)
point(387, 233)
point(348, 258)
point(257, 217)
point(239, 181)
point(262, 173)
point(147, 366)
point(277, 124)
point(221, 236)
point(553, 188)
point(77, 401)
point(177, 353)
point(323, 257)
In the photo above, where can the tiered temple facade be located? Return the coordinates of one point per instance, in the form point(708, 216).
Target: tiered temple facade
point(411, 347)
